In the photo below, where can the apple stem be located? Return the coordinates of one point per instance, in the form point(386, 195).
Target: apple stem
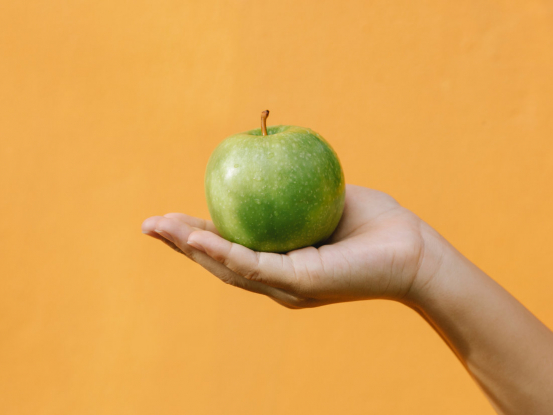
point(264, 116)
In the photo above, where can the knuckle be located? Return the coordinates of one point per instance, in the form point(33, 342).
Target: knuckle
point(223, 260)
point(227, 279)
point(253, 275)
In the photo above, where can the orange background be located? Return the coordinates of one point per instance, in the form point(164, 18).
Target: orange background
point(109, 111)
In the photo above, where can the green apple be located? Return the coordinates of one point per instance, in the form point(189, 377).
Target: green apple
point(275, 189)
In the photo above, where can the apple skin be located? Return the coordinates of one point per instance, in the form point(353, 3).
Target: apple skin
point(275, 193)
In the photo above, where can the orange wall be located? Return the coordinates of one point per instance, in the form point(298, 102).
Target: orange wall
point(109, 111)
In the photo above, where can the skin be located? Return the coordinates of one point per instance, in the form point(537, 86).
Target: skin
point(382, 250)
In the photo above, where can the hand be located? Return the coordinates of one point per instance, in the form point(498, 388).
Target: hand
point(382, 250)
point(377, 251)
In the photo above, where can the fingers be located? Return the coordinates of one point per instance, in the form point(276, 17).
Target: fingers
point(175, 234)
point(229, 277)
point(170, 231)
point(200, 223)
point(149, 226)
point(268, 268)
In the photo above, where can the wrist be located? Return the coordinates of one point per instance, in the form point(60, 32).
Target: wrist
point(440, 263)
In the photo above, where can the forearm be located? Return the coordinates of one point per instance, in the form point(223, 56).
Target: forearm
point(505, 347)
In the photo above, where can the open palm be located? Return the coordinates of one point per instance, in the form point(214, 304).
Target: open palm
point(376, 252)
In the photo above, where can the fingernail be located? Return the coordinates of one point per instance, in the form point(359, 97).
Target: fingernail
point(164, 234)
point(196, 245)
